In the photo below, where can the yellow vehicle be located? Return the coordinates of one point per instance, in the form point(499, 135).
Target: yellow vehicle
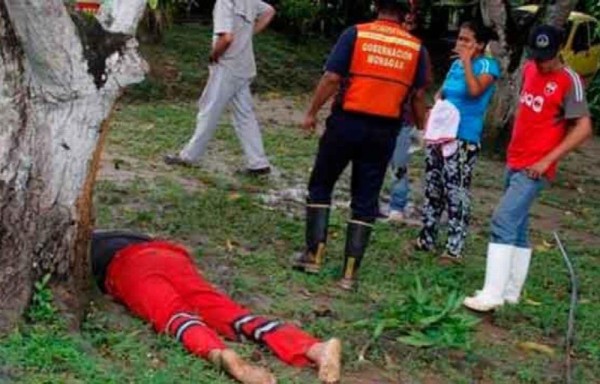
point(582, 47)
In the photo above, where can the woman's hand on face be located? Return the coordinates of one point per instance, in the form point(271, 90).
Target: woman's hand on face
point(465, 53)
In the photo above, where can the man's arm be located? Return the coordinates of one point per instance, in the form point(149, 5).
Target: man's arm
point(223, 27)
point(264, 19)
point(223, 42)
point(327, 87)
point(419, 107)
point(423, 79)
point(578, 134)
point(336, 68)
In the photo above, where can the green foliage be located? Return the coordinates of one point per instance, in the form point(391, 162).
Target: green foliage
point(593, 93)
point(425, 319)
point(298, 15)
point(42, 307)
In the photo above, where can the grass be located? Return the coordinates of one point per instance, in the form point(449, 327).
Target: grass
point(244, 242)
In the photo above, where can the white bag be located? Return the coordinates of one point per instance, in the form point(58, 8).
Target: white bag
point(442, 125)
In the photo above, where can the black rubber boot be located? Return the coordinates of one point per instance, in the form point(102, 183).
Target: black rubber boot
point(317, 221)
point(357, 239)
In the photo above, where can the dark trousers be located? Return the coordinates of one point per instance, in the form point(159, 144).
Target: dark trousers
point(366, 142)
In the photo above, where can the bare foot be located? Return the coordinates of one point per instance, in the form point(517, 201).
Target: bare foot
point(239, 369)
point(327, 355)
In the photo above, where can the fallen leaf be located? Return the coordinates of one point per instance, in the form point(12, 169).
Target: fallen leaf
point(532, 302)
point(537, 347)
point(306, 293)
point(234, 196)
point(545, 246)
point(322, 310)
point(229, 245)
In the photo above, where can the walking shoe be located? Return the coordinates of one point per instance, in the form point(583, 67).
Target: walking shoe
point(254, 172)
point(172, 159)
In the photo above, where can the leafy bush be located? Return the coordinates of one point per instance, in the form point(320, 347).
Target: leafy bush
point(425, 319)
point(298, 15)
point(593, 8)
point(42, 307)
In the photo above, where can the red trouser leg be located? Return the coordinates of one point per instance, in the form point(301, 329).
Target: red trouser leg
point(142, 283)
point(221, 313)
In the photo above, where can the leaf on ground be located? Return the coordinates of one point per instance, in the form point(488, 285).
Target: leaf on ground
point(234, 196)
point(532, 302)
point(229, 245)
point(416, 339)
point(545, 246)
point(537, 347)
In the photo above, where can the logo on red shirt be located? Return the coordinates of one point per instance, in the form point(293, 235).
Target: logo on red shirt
point(550, 88)
point(536, 103)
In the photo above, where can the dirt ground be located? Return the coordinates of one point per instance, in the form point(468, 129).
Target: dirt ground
point(577, 176)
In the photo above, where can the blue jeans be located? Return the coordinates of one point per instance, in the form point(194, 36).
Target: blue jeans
point(399, 164)
point(510, 222)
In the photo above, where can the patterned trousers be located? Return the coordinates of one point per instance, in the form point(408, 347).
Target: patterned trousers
point(447, 184)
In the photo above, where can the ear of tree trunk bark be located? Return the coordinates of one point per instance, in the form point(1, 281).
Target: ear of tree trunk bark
point(510, 52)
point(56, 96)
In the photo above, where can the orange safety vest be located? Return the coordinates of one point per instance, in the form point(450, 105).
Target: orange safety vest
point(382, 69)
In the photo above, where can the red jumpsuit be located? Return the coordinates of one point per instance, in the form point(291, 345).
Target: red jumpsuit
point(159, 282)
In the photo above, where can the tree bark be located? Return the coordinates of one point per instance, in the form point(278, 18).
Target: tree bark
point(59, 81)
point(510, 52)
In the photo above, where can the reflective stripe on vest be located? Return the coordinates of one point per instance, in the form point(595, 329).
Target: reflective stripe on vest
point(383, 67)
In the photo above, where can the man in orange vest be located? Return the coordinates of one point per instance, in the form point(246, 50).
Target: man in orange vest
point(372, 68)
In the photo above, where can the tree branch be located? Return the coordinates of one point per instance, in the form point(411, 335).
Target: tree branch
point(121, 16)
point(51, 45)
point(558, 12)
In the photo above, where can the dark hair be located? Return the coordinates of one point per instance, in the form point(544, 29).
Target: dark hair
point(392, 5)
point(482, 33)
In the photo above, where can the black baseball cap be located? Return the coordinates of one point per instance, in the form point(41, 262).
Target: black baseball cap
point(544, 42)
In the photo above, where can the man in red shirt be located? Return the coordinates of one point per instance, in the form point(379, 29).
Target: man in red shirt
point(157, 280)
point(552, 119)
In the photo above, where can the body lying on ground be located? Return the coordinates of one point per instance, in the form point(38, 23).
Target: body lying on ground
point(158, 281)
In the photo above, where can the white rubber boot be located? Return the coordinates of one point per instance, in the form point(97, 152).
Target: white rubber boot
point(518, 274)
point(497, 271)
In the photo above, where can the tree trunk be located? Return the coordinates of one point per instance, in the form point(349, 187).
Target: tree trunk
point(59, 79)
point(509, 50)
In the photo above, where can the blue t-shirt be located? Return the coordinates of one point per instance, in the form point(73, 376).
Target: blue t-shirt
point(472, 109)
point(341, 56)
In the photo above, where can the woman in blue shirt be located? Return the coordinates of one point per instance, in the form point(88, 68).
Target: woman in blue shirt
point(469, 85)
